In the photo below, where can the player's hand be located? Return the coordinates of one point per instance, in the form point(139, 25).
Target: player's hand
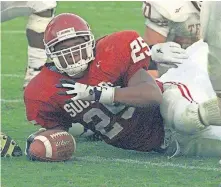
point(169, 54)
point(102, 93)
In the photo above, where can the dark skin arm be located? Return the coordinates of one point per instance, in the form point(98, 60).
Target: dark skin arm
point(142, 90)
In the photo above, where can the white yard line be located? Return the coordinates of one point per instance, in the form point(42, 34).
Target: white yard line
point(146, 163)
point(12, 75)
point(13, 31)
point(11, 100)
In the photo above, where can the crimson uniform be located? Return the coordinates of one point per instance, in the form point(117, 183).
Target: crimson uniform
point(118, 57)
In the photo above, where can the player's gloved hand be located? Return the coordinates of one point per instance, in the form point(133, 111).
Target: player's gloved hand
point(169, 54)
point(103, 93)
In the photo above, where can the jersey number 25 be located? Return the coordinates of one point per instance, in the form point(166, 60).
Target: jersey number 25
point(138, 50)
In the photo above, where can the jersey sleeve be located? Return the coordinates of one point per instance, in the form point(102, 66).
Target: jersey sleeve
point(137, 57)
point(43, 104)
point(118, 57)
point(48, 114)
point(154, 19)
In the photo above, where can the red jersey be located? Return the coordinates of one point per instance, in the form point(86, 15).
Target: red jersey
point(118, 57)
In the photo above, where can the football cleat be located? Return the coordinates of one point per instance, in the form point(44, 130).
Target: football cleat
point(30, 74)
point(9, 148)
point(170, 146)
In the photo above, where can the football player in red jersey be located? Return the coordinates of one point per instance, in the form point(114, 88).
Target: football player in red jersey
point(109, 90)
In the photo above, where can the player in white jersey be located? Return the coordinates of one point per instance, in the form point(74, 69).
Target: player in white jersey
point(176, 21)
point(211, 33)
point(188, 92)
point(185, 89)
point(40, 13)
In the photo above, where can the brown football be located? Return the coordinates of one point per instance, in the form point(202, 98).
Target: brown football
point(52, 145)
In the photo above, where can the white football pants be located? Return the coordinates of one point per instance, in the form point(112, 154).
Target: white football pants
point(193, 73)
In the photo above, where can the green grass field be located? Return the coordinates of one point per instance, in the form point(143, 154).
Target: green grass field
point(95, 164)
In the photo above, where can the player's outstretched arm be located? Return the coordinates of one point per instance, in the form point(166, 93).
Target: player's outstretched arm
point(142, 90)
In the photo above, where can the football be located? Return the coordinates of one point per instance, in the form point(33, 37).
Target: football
point(52, 145)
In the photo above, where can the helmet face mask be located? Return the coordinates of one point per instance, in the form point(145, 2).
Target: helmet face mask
point(70, 48)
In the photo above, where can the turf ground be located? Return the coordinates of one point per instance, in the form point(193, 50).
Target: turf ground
point(95, 164)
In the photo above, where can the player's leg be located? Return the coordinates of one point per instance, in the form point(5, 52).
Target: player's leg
point(14, 9)
point(180, 107)
point(204, 143)
point(44, 12)
point(36, 53)
point(210, 31)
point(181, 111)
point(40, 13)
point(211, 27)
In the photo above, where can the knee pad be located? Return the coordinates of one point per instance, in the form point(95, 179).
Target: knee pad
point(180, 112)
point(210, 113)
